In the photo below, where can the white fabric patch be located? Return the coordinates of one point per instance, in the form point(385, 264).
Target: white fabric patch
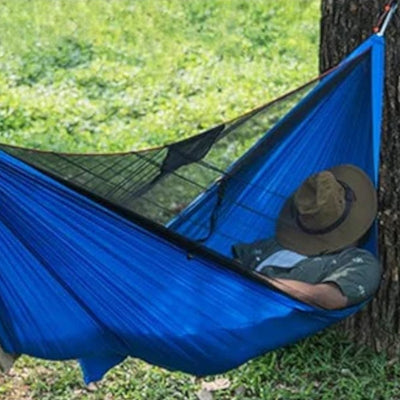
point(281, 259)
point(361, 289)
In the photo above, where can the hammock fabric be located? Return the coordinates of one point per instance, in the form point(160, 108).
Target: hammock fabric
point(108, 256)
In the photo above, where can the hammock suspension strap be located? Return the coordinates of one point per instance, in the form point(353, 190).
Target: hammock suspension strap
point(385, 17)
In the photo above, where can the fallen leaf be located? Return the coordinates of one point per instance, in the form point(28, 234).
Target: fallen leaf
point(204, 394)
point(91, 387)
point(217, 384)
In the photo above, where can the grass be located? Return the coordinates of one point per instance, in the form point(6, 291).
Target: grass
point(327, 367)
point(99, 75)
point(117, 75)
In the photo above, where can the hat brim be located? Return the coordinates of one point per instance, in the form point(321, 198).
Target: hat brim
point(361, 216)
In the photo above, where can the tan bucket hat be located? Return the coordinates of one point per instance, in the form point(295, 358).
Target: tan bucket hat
point(329, 211)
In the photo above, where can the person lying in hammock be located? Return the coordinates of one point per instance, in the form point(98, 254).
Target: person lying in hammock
point(314, 256)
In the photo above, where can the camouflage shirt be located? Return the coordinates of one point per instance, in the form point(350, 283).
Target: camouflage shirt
point(355, 271)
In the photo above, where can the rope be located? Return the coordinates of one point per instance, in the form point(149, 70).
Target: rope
point(385, 17)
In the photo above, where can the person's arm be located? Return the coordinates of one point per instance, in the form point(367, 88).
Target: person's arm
point(326, 295)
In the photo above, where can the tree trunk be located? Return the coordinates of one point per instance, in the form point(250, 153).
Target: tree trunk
point(344, 25)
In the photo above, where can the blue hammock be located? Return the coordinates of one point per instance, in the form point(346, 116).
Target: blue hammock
point(81, 279)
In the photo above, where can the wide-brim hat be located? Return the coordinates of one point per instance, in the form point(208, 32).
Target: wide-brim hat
point(328, 212)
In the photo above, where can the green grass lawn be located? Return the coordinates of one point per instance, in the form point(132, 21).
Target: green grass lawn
point(99, 75)
point(116, 75)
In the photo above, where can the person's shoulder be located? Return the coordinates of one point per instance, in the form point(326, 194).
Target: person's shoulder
point(358, 251)
point(356, 255)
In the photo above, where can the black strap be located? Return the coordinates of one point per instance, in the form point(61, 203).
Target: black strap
point(214, 214)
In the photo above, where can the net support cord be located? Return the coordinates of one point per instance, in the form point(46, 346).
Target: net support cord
point(386, 17)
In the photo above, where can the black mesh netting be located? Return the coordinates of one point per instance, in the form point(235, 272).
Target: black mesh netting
point(159, 183)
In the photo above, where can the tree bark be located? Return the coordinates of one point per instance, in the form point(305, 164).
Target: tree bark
point(344, 25)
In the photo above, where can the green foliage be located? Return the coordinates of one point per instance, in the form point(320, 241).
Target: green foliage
point(40, 64)
point(89, 75)
point(97, 75)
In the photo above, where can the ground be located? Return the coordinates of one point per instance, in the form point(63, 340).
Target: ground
point(96, 75)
